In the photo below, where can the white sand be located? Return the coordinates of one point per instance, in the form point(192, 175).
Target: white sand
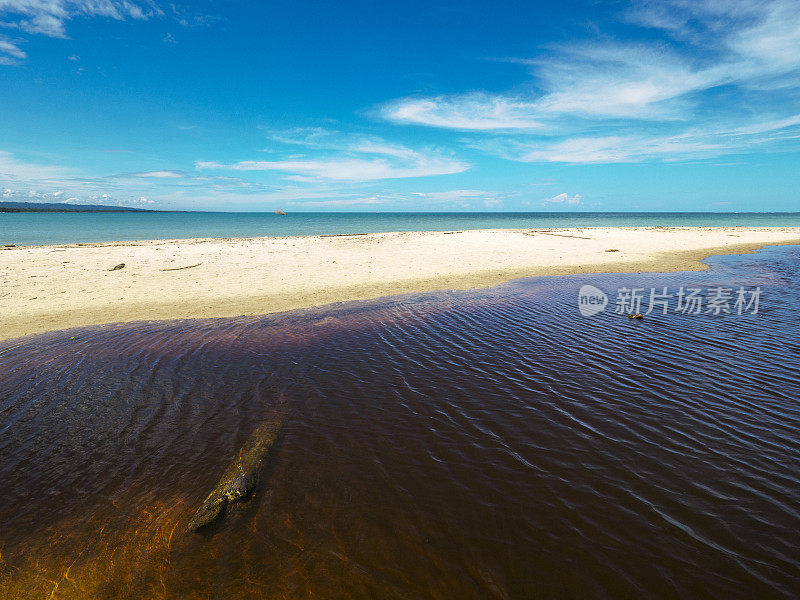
point(57, 287)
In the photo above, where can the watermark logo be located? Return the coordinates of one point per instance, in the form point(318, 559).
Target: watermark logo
point(591, 300)
point(688, 301)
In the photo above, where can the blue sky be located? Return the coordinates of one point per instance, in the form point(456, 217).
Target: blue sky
point(413, 106)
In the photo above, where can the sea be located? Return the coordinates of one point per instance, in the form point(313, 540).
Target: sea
point(72, 228)
point(519, 442)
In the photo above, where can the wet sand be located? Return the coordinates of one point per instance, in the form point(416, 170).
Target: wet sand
point(48, 288)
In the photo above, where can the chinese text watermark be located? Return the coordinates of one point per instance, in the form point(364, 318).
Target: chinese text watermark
point(714, 300)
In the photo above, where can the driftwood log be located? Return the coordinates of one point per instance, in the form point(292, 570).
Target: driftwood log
point(241, 476)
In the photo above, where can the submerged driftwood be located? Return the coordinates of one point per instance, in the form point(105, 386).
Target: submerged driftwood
point(241, 476)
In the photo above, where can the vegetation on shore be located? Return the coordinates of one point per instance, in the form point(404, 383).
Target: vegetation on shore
point(18, 207)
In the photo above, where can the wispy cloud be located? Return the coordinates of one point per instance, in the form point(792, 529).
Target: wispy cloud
point(697, 143)
point(564, 198)
point(308, 137)
point(585, 80)
point(348, 169)
point(340, 202)
point(160, 174)
point(48, 17)
point(461, 199)
point(14, 170)
point(289, 196)
point(35, 182)
point(168, 188)
point(634, 79)
point(10, 52)
point(473, 111)
point(23, 180)
point(355, 159)
point(455, 195)
point(447, 199)
point(687, 84)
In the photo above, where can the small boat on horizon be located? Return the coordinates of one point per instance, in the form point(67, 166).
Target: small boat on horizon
point(280, 212)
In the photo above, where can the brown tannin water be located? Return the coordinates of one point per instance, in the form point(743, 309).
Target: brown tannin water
point(485, 444)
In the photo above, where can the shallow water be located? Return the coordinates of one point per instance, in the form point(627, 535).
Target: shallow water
point(74, 228)
point(484, 444)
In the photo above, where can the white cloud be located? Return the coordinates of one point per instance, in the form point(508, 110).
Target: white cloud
point(691, 86)
point(348, 169)
point(367, 159)
point(289, 196)
point(474, 111)
point(613, 80)
point(603, 79)
point(310, 137)
point(767, 126)
point(10, 53)
point(341, 202)
point(14, 170)
point(48, 17)
point(460, 199)
point(564, 199)
point(451, 195)
point(615, 149)
point(25, 180)
point(160, 175)
point(765, 34)
point(704, 142)
point(586, 80)
point(22, 195)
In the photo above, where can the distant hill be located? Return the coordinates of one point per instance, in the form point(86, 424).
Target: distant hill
point(57, 207)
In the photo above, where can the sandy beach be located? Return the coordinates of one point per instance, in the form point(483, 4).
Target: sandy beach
point(57, 287)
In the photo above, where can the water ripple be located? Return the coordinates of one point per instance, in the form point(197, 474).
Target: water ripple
point(488, 444)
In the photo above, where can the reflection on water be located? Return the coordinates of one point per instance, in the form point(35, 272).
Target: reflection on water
point(488, 444)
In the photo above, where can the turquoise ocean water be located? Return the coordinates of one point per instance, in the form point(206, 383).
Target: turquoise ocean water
point(70, 228)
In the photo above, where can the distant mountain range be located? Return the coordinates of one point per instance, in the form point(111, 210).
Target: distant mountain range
point(58, 207)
